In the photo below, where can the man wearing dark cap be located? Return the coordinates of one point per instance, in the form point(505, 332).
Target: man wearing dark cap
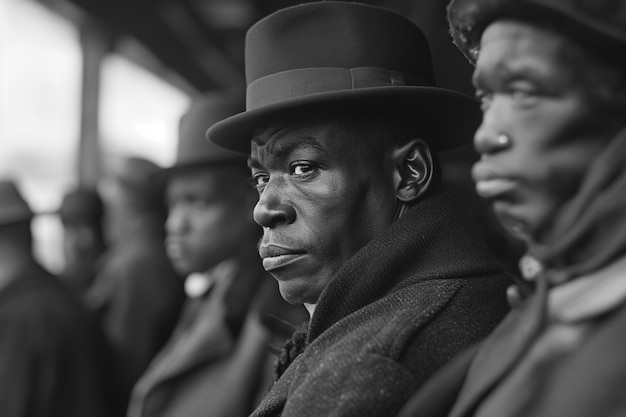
point(137, 292)
point(552, 79)
point(342, 127)
point(82, 215)
point(52, 357)
point(215, 364)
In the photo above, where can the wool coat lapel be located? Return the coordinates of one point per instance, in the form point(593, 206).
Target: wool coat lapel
point(205, 338)
point(498, 354)
point(437, 397)
point(433, 240)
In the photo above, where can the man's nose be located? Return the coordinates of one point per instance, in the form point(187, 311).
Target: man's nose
point(271, 210)
point(176, 221)
point(490, 138)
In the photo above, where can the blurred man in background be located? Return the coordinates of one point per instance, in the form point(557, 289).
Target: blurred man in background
point(216, 363)
point(136, 292)
point(82, 215)
point(53, 361)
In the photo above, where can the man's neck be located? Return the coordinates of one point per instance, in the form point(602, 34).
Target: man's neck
point(310, 308)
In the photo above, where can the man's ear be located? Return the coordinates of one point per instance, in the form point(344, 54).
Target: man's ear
point(413, 170)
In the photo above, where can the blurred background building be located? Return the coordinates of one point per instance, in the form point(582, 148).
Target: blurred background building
point(84, 83)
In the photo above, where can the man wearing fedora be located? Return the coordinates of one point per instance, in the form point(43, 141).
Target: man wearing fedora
point(217, 362)
point(52, 356)
point(136, 291)
point(82, 216)
point(342, 129)
point(552, 80)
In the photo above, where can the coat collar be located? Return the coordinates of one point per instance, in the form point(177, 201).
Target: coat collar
point(419, 246)
point(206, 336)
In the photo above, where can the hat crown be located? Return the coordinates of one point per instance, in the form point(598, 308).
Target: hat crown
point(336, 35)
point(136, 172)
point(339, 58)
point(204, 111)
point(599, 23)
point(13, 207)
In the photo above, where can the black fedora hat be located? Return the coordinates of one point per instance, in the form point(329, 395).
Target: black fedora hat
point(192, 149)
point(13, 207)
point(337, 56)
point(601, 24)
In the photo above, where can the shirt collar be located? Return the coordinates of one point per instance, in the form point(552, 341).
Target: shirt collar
point(197, 284)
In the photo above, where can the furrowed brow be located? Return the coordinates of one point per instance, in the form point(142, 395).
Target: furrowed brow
point(283, 150)
point(274, 153)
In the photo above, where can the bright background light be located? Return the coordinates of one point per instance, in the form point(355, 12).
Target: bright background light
point(40, 81)
point(138, 112)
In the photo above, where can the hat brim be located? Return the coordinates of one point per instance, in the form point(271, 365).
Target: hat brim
point(455, 115)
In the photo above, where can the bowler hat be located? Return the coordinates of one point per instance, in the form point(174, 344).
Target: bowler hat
point(13, 207)
point(338, 56)
point(205, 110)
point(601, 24)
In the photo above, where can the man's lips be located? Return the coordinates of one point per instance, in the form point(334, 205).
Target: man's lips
point(175, 249)
point(276, 256)
point(490, 183)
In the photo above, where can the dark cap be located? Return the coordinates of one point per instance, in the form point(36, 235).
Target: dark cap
point(193, 150)
point(601, 24)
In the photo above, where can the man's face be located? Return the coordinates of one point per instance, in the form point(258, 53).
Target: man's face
point(529, 81)
point(208, 219)
point(319, 203)
point(80, 244)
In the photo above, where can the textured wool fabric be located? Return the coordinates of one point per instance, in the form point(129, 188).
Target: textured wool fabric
point(399, 309)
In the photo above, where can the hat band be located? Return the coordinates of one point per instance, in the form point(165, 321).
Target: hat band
point(302, 82)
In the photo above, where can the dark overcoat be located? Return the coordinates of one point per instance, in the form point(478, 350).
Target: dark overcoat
point(53, 361)
point(218, 361)
point(586, 382)
point(402, 307)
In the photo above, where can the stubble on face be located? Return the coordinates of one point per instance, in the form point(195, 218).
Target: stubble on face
point(333, 198)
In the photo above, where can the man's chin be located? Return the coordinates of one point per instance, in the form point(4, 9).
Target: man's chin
point(298, 290)
point(181, 266)
point(512, 220)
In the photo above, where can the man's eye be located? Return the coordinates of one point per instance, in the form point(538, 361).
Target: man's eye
point(302, 169)
point(259, 179)
point(523, 97)
point(523, 92)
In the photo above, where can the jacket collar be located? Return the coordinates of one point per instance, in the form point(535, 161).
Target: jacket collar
point(418, 246)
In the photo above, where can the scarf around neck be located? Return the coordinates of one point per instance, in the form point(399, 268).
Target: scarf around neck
point(589, 230)
point(418, 246)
